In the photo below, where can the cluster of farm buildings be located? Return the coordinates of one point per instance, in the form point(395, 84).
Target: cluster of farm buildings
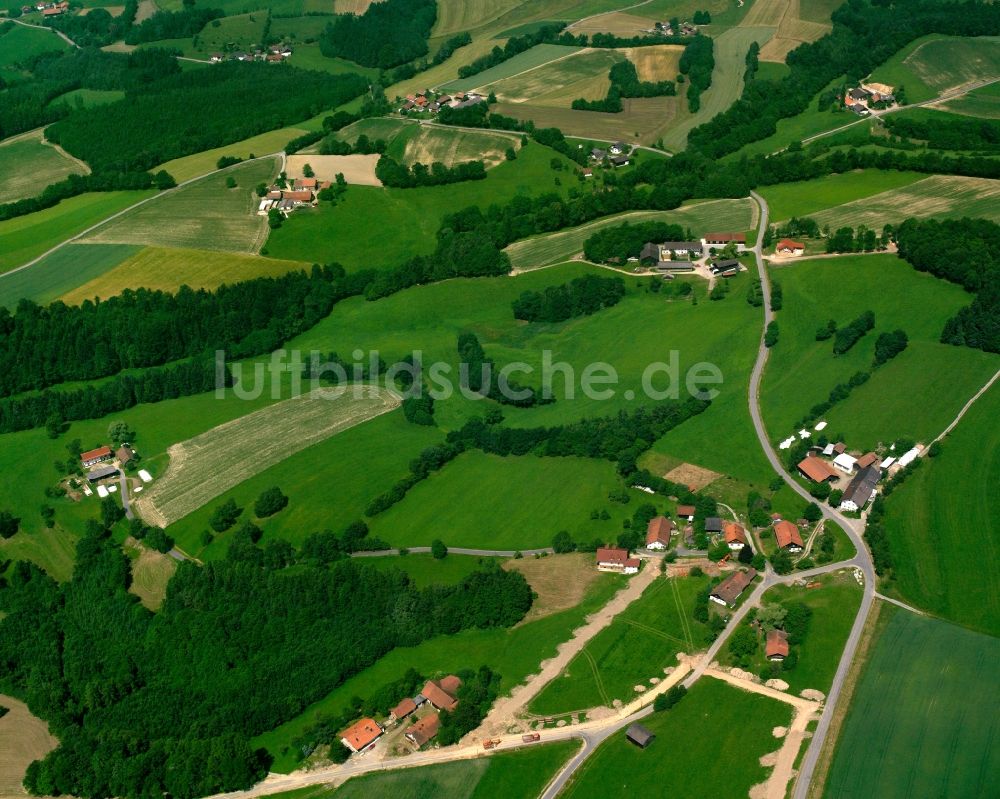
point(295, 194)
point(103, 464)
point(669, 257)
point(47, 9)
point(858, 477)
point(617, 154)
point(865, 97)
point(426, 100)
point(665, 29)
point(422, 709)
point(274, 54)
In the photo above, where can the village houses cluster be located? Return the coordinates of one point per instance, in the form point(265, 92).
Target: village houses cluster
point(290, 195)
point(671, 257)
point(274, 54)
point(48, 9)
point(103, 464)
point(429, 101)
point(867, 97)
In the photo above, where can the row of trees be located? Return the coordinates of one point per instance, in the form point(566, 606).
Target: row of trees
point(946, 131)
point(386, 35)
point(851, 333)
point(393, 173)
point(620, 242)
point(582, 296)
point(181, 24)
point(697, 62)
point(147, 703)
point(846, 239)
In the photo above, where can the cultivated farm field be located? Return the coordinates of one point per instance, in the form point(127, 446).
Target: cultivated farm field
point(940, 196)
point(983, 102)
point(23, 738)
point(686, 758)
point(167, 268)
point(530, 59)
point(357, 169)
point(567, 244)
point(807, 197)
point(409, 142)
point(28, 165)
point(557, 84)
point(151, 571)
point(934, 64)
point(209, 464)
point(922, 721)
point(203, 215)
point(944, 565)
point(792, 28)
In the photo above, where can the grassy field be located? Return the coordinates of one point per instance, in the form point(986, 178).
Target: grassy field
point(27, 166)
point(708, 745)
point(204, 215)
point(151, 571)
point(425, 570)
point(923, 719)
point(514, 653)
point(19, 44)
point(23, 738)
point(954, 557)
point(89, 98)
point(566, 244)
point(983, 102)
point(410, 142)
point(167, 269)
point(530, 59)
point(557, 84)
point(834, 607)
point(633, 650)
point(383, 227)
point(934, 64)
point(62, 272)
point(27, 237)
point(916, 394)
point(520, 773)
point(191, 166)
point(807, 197)
point(938, 196)
point(215, 461)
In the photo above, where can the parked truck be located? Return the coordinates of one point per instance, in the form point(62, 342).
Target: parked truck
point(530, 738)
point(491, 743)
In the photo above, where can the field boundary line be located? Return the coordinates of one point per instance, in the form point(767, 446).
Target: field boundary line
point(605, 13)
point(680, 612)
point(653, 631)
point(597, 676)
point(961, 413)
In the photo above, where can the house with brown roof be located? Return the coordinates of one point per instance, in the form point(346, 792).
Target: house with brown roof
point(403, 709)
point(124, 455)
point(616, 559)
point(442, 693)
point(361, 735)
point(303, 196)
point(776, 647)
point(722, 239)
point(790, 247)
point(425, 729)
point(306, 183)
point(90, 457)
point(686, 512)
point(729, 590)
point(817, 469)
point(735, 535)
point(658, 532)
point(787, 536)
point(869, 459)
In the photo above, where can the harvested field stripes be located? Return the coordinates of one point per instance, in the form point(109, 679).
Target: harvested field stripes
point(28, 164)
point(685, 624)
point(597, 676)
point(209, 464)
point(530, 59)
point(940, 196)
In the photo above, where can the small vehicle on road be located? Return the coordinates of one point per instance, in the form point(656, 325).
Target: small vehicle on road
point(530, 738)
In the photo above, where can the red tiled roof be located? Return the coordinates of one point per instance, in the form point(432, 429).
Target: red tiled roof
point(871, 459)
point(300, 196)
point(404, 709)
point(777, 644)
point(727, 237)
point(612, 555)
point(425, 729)
point(816, 469)
point(100, 452)
point(632, 563)
point(306, 183)
point(437, 696)
point(734, 532)
point(659, 529)
point(786, 534)
point(789, 244)
point(685, 510)
point(450, 684)
point(362, 734)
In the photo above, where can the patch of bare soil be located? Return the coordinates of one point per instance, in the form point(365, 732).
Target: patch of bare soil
point(560, 581)
point(358, 170)
point(23, 738)
point(695, 477)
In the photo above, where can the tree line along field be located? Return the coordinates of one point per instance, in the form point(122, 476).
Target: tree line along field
point(27, 237)
point(566, 244)
point(514, 653)
point(952, 501)
point(18, 44)
point(27, 162)
point(935, 64)
point(202, 215)
point(371, 226)
point(168, 268)
point(530, 59)
point(894, 402)
point(922, 719)
point(709, 744)
point(636, 649)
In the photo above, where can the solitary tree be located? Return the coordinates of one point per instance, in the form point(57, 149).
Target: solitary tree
point(269, 503)
point(9, 524)
point(438, 549)
point(307, 171)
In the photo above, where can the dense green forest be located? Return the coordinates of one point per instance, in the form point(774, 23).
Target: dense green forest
point(865, 34)
point(626, 240)
point(199, 110)
point(386, 35)
point(975, 265)
point(946, 131)
point(150, 704)
point(582, 296)
point(97, 28)
point(172, 25)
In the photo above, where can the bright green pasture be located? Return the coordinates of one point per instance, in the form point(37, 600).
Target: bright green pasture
point(424, 569)
point(20, 43)
point(535, 57)
point(935, 64)
point(806, 197)
point(27, 166)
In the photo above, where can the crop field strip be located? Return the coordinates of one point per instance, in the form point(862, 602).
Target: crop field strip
point(28, 164)
point(209, 464)
point(792, 30)
point(940, 196)
point(537, 56)
point(564, 245)
point(203, 215)
point(23, 738)
point(583, 74)
point(935, 63)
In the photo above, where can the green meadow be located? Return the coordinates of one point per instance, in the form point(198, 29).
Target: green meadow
point(916, 394)
point(19, 44)
point(535, 57)
point(635, 649)
point(941, 524)
point(424, 569)
point(708, 745)
point(983, 102)
point(27, 166)
point(514, 653)
point(374, 226)
point(922, 721)
point(806, 197)
point(934, 64)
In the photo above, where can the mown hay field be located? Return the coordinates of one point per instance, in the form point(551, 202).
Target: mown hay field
point(452, 147)
point(191, 166)
point(933, 64)
point(530, 59)
point(617, 23)
point(983, 102)
point(643, 119)
point(357, 169)
point(557, 84)
point(923, 719)
point(151, 571)
point(941, 196)
point(28, 165)
point(656, 62)
point(202, 215)
point(566, 244)
point(455, 16)
point(213, 462)
point(23, 738)
point(167, 269)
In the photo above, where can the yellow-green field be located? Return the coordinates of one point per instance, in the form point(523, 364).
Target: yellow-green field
point(557, 84)
point(151, 571)
point(934, 64)
point(191, 166)
point(28, 165)
point(202, 215)
point(984, 102)
point(792, 28)
point(23, 738)
point(567, 244)
point(167, 269)
point(213, 462)
point(939, 196)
